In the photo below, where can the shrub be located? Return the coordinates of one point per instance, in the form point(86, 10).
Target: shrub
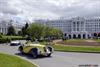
point(6, 39)
point(0, 36)
point(18, 38)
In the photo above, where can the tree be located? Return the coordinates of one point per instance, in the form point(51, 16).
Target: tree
point(40, 31)
point(0, 35)
point(24, 29)
point(55, 33)
point(35, 30)
point(11, 30)
point(26, 25)
point(19, 32)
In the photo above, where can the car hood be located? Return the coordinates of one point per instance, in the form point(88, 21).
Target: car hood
point(35, 45)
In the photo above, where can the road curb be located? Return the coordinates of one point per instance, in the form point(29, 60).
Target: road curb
point(28, 61)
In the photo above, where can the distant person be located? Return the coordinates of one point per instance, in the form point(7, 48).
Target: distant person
point(36, 40)
point(8, 40)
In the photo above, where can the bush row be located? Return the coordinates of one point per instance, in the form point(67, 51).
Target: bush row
point(18, 38)
point(5, 40)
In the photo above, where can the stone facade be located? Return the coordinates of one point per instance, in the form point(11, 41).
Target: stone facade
point(77, 27)
point(4, 27)
point(5, 24)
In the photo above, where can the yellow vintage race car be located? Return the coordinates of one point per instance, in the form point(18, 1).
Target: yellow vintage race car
point(36, 49)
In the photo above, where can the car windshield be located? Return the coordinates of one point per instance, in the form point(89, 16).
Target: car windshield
point(29, 42)
point(35, 42)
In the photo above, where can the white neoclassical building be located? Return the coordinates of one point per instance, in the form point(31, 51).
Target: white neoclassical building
point(6, 23)
point(4, 26)
point(77, 27)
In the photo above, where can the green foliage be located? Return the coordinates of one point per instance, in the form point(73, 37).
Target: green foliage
point(5, 39)
point(97, 40)
point(55, 33)
point(36, 31)
point(14, 37)
point(75, 40)
point(26, 25)
point(19, 33)
point(0, 36)
point(40, 31)
point(13, 61)
point(11, 31)
point(24, 30)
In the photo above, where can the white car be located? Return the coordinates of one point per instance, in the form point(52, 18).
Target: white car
point(15, 43)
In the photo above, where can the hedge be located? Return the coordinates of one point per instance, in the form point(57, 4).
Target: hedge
point(4, 40)
point(8, 39)
point(21, 38)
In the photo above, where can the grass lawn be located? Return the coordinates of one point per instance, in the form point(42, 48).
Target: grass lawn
point(12, 36)
point(75, 40)
point(97, 40)
point(76, 48)
point(65, 48)
point(13, 61)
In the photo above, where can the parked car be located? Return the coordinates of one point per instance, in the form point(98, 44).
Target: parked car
point(36, 49)
point(15, 43)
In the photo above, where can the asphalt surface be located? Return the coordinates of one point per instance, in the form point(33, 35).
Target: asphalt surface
point(58, 59)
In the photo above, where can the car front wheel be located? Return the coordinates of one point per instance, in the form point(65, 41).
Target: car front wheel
point(34, 53)
point(50, 49)
point(49, 55)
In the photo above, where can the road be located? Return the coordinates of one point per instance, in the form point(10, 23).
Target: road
point(58, 59)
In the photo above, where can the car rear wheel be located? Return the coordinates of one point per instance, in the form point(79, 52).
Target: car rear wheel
point(21, 49)
point(51, 50)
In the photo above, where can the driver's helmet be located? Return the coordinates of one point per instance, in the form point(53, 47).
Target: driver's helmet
point(36, 40)
point(29, 38)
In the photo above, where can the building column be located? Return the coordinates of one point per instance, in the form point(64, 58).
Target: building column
point(90, 36)
point(1, 30)
point(86, 36)
point(68, 36)
point(76, 35)
point(76, 26)
point(84, 26)
point(71, 36)
point(81, 36)
point(5, 30)
point(80, 28)
point(72, 26)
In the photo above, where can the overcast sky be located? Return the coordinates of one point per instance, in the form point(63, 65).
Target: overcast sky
point(33, 9)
